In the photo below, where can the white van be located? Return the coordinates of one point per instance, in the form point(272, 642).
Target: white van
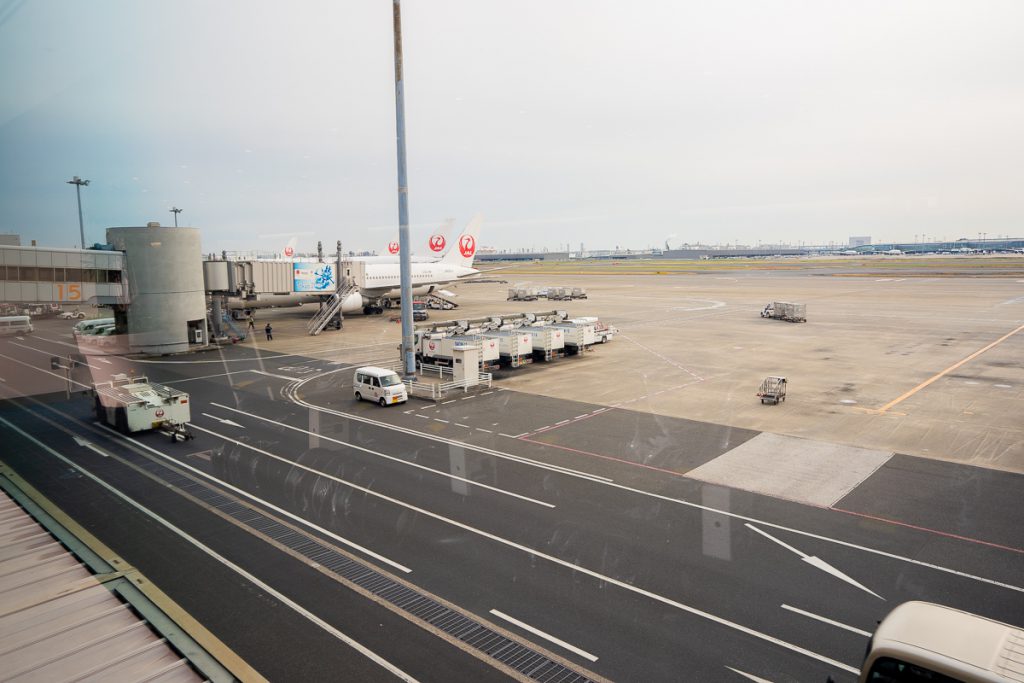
point(921, 641)
point(15, 324)
point(379, 385)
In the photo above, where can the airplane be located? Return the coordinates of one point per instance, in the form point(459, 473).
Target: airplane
point(849, 252)
point(377, 284)
point(893, 252)
point(437, 243)
point(289, 249)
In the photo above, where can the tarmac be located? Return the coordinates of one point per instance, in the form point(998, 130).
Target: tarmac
point(879, 364)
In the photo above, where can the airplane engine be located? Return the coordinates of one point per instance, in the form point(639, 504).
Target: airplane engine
point(353, 303)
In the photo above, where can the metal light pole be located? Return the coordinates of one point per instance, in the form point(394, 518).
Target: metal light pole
point(405, 265)
point(78, 183)
point(175, 210)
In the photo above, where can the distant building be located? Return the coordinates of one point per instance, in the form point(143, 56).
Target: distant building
point(10, 240)
point(862, 241)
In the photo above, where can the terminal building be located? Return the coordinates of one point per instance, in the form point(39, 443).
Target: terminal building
point(151, 277)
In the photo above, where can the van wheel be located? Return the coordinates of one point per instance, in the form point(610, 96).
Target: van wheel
point(383, 402)
point(359, 397)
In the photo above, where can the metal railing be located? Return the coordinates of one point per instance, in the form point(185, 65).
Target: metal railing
point(436, 392)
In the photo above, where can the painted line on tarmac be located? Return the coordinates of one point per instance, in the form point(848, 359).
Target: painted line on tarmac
point(609, 482)
point(451, 442)
point(948, 370)
point(363, 650)
point(256, 359)
point(55, 341)
point(573, 567)
point(816, 562)
point(284, 377)
point(546, 636)
point(192, 379)
point(53, 374)
point(826, 620)
point(931, 531)
point(750, 677)
point(441, 473)
point(47, 353)
point(305, 522)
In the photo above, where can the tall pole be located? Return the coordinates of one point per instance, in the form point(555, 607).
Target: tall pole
point(175, 210)
point(78, 182)
point(405, 265)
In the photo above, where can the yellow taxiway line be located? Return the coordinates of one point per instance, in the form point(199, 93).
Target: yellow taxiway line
point(948, 370)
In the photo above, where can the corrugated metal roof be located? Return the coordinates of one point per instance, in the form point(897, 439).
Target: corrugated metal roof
point(59, 623)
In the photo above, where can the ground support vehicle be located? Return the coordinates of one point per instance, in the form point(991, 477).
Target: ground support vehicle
point(578, 293)
point(72, 315)
point(438, 349)
point(134, 404)
point(781, 310)
point(379, 385)
point(559, 293)
point(16, 324)
point(578, 336)
point(922, 641)
point(772, 391)
point(521, 294)
point(515, 348)
point(548, 342)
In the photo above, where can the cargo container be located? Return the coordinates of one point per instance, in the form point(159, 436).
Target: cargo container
point(437, 349)
point(790, 312)
point(515, 348)
point(521, 294)
point(548, 342)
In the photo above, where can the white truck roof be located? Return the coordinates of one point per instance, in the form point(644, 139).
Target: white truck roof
point(374, 371)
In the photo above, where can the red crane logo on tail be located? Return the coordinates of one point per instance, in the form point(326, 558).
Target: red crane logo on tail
point(437, 243)
point(393, 247)
point(467, 245)
point(289, 252)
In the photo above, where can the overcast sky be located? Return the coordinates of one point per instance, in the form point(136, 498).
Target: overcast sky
point(609, 123)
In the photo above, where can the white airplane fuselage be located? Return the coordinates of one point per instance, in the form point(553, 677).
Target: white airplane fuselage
point(382, 281)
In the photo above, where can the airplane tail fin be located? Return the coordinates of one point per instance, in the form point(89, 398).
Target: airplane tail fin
point(289, 249)
point(438, 242)
point(465, 247)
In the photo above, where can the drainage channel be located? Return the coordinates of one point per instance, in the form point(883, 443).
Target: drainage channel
point(522, 659)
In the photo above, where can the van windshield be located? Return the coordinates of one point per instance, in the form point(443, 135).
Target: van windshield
point(389, 380)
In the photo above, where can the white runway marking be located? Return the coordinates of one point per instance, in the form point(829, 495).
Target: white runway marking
point(827, 621)
point(816, 562)
point(270, 374)
point(227, 563)
point(47, 353)
point(104, 360)
point(679, 501)
point(91, 446)
point(573, 567)
point(750, 677)
point(192, 379)
point(223, 421)
point(546, 636)
point(344, 541)
point(371, 452)
point(53, 374)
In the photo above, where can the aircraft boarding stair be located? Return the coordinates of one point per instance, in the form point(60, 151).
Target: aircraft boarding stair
point(330, 308)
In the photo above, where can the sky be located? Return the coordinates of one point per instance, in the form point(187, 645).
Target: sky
point(603, 123)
